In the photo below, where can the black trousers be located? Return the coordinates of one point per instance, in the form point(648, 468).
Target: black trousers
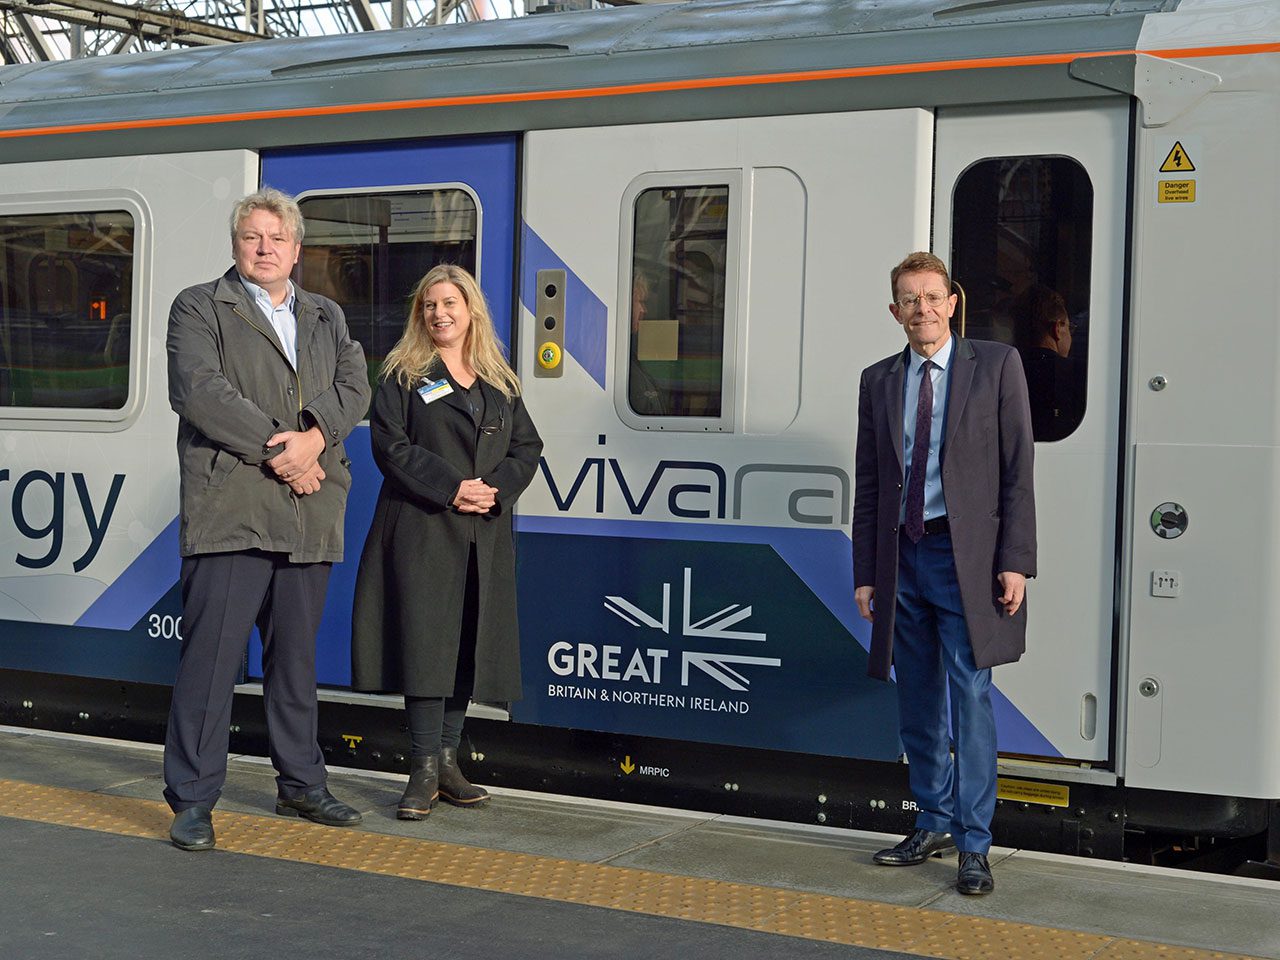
point(223, 596)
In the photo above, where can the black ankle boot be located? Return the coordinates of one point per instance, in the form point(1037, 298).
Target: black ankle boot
point(454, 787)
point(422, 790)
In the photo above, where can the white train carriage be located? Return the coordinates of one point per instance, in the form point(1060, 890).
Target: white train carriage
point(684, 216)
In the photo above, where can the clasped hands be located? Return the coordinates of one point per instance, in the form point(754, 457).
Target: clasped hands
point(298, 464)
point(475, 496)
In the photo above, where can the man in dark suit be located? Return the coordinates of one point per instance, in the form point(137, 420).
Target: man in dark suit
point(943, 542)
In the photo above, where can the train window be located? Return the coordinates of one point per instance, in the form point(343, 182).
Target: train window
point(1023, 235)
point(680, 264)
point(66, 310)
point(368, 250)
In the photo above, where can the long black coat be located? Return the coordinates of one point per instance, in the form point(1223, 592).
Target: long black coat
point(986, 461)
point(410, 586)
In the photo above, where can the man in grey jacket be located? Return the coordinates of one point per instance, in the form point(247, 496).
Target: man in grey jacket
point(266, 383)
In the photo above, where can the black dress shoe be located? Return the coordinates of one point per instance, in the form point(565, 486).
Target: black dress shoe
point(974, 877)
point(193, 829)
point(917, 848)
point(319, 806)
point(454, 787)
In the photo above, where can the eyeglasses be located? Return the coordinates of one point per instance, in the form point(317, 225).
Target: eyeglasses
point(934, 298)
point(489, 429)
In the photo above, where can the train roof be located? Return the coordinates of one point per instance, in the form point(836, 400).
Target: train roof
point(866, 26)
point(708, 49)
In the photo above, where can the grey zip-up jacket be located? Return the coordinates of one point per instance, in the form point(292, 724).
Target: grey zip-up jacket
point(233, 388)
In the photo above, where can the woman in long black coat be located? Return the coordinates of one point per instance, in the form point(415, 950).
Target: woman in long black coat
point(435, 606)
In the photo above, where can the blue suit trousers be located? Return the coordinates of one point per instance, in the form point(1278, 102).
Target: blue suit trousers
point(932, 657)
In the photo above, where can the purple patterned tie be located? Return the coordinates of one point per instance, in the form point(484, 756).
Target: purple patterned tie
point(920, 454)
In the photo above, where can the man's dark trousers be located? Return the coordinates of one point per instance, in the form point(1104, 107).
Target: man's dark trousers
point(223, 596)
point(931, 653)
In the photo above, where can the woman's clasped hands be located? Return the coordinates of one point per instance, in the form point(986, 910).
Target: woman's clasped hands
point(475, 496)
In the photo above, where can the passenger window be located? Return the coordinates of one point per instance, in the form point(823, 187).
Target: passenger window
point(678, 279)
point(66, 310)
point(367, 251)
point(1022, 246)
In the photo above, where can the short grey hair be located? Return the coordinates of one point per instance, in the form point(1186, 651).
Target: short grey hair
point(273, 201)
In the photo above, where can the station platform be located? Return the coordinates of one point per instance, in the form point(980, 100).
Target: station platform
point(89, 873)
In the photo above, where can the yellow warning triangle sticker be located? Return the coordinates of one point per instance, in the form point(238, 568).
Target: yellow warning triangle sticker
point(1177, 161)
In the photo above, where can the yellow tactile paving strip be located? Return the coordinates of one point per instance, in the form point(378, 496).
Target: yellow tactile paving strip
point(922, 932)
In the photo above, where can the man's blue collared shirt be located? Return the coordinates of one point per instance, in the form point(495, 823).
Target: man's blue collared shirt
point(283, 319)
point(935, 505)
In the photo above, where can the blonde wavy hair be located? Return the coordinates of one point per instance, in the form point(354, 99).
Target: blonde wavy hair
point(410, 359)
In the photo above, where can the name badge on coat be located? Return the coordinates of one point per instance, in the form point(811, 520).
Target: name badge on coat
point(433, 390)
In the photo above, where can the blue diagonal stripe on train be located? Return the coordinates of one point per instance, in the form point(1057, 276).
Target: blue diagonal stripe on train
point(820, 559)
point(136, 590)
point(586, 333)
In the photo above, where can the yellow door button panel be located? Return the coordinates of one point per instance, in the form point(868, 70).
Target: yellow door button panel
point(549, 356)
point(548, 317)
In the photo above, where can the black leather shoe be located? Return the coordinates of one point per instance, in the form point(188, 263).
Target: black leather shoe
point(319, 806)
point(917, 848)
point(974, 877)
point(422, 791)
point(454, 787)
point(193, 829)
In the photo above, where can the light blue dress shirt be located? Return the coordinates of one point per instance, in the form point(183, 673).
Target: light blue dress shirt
point(283, 319)
point(935, 505)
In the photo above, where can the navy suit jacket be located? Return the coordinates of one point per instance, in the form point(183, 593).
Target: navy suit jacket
point(986, 463)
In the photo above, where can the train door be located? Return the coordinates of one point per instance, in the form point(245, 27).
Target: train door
point(377, 218)
point(1030, 214)
point(697, 301)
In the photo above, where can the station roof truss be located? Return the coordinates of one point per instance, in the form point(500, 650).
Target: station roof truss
point(32, 31)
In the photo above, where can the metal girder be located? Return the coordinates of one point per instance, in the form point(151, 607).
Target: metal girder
point(362, 11)
point(7, 52)
point(39, 45)
point(441, 12)
point(123, 44)
point(139, 16)
point(174, 34)
point(21, 40)
point(32, 30)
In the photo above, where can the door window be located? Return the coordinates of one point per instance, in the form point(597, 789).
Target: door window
point(678, 281)
point(367, 251)
point(1021, 248)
